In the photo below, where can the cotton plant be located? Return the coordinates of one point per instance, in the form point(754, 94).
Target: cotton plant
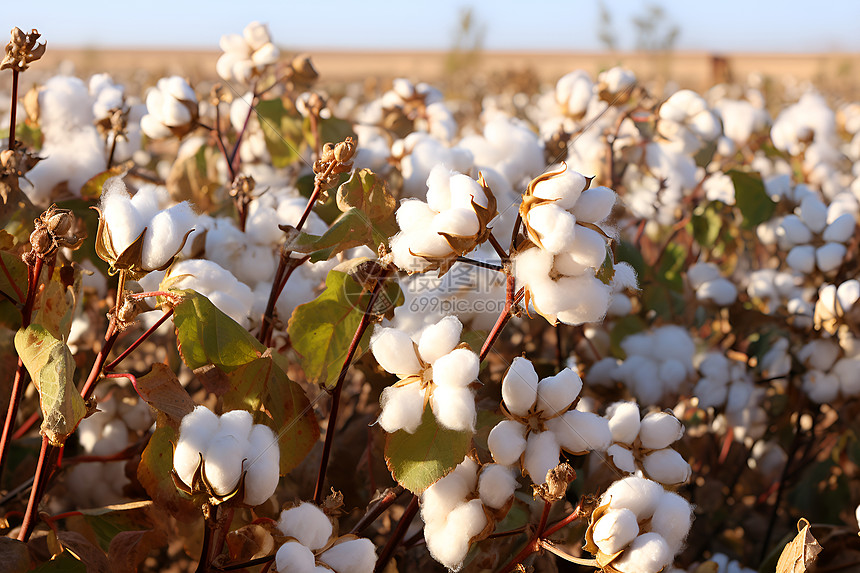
point(419, 153)
point(433, 367)
point(724, 383)
point(171, 109)
point(638, 527)
point(510, 147)
point(830, 371)
point(776, 291)
point(686, 120)
point(246, 56)
point(710, 285)
point(836, 303)
point(644, 445)
point(313, 546)
point(541, 421)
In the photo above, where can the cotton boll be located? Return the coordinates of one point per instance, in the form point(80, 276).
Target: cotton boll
point(149, 200)
point(438, 189)
point(394, 351)
point(507, 442)
point(595, 204)
point(639, 495)
point(440, 499)
point(351, 556)
point(579, 432)
point(639, 344)
point(701, 273)
point(449, 544)
point(649, 553)
point(456, 221)
point(820, 387)
point(124, 222)
point(829, 257)
point(622, 458)
point(459, 368)
point(813, 212)
point(801, 258)
point(195, 432)
point(672, 520)
point(532, 264)
point(591, 302)
point(588, 247)
point(237, 423)
point(402, 408)
point(847, 370)
point(721, 291)
point(223, 462)
point(464, 190)
point(519, 387)
point(819, 354)
point(114, 438)
point(674, 342)
point(454, 408)
point(256, 264)
point(294, 557)
point(307, 523)
point(439, 339)
point(615, 530)
point(429, 243)
point(262, 466)
point(542, 451)
point(565, 188)
point(556, 393)
point(658, 430)
point(840, 230)
point(624, 421)
point(667, 466)
point(672, 373)
point(165, 235)
point(552, 227)
point(496, 485)
point(90, 430)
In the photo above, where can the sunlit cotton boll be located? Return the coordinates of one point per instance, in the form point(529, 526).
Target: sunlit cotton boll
point(667, 466)
point(195, 432)
point(542, 451)
point(450, 545)
point(556, 393)
point(552, 227)
point(401, 408)
point(293, 557)
point(496, 485)
point(519, 386)
point(637, 494)
point(580, 432)
point(672, 520)
point(624, 421)
point(440, 499)
point(393, 351)
point(262, 466)
point(659, 430)
point(507, 442)
point(351, 556)
point(649, 553)
point(307, 524)
point(454, 408)
point(124, 222)
point(615, 530)
point(165, 235)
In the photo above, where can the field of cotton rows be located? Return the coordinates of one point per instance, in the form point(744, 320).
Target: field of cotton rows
point(254, 325)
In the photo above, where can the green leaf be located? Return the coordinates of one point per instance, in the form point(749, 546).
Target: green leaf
point(751, 198)
point(56, 309)
point(369, 194)
point(107, 522)
point(672, 265)
point(52, 368)
point(208, 336)
point(281, 130)
point(419, 460)
point(625, 251)
point(322, 330)
point(352, 229)
point(606, 272)
point(706, 224)
point(332, 130)
point(263, 386)
point(13, 276)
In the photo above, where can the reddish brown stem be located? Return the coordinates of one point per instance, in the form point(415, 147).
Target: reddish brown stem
point(139, 341)
point(13, 111)
point(335, 397)
point(235, 160)
point(40, 479)
point(397, 535)
point(510, 300)
point(286, 266)
point(574, 515)
point(374, 511)
point(96, 371)
point(499, 249)
point(535, 542)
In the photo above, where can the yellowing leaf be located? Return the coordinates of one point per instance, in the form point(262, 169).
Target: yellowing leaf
point(800, 553)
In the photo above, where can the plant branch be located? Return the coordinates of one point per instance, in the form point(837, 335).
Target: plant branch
point(13, 109)
point(235, 158)
point(377, 509)
point(511, 299)
point(397, 535)
point(481, 264)
point(551, 547)
point(286, 266)
point(139, 341)
point(503, 255)
point(40, 479)
point(95, 373)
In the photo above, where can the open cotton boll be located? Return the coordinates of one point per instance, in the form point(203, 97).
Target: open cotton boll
point(556, 393)
point(552, 227)
point(829, 256)
point(531, 265)
point(672, 520)
point(622, 458)
point(640, 344)
point(149, 200)
point(542, 451)
point(847, 371)
point(658, 430)
point(819, 354)
point(223, 462)
point(813, 212)
point(649, 553)
point(801, 258)
point(588, 247)
point(401, 250)
point(165, 235)
point(565, 188)
point(458, 368)
point(464, 190)
point(439, 339)
point(114, 438)
point(721, 291)
point(439, 188)
point(615, 530)
point(440, 499)
point(195, 432)
point(793, 231)
point(394, 351)
point(672, 373)
point(840, 230)
point(293, 557)
point(262, 465)
point(429, 243)
point(507, 442)
point(402, 408)
point(624, 421)
point(237, 423)
point(701, 273)
point(496, 485)
point(637, 494)
point(124, 222)
point(307, 523)
point(672, 341)
point(454, 408)
point(456, 221)
point(579, 432)
point(519, 386)
point(595, 204)
point(351, 556)
point(449, 543)
point(820, 387)
point(414, 213)
point(667, 466)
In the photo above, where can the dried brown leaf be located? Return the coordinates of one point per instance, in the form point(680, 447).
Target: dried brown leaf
point(801, 552)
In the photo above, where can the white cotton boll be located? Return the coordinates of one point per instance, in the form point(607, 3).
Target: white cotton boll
point(667, 466)
point(223, 462)
point(165, 234)
point(401, 248)
point(637, 494)
point(394, 351)
point(819, 354)
point(149, 200)
point(439, 188)
point(464, 190)
point(674, 342)
point(649, 553)
point(454, 408)
point(90, 430)
point(588, 247)
point(564, 188)
point(641, 375)
point(256, 264)
point(801, 258)
point(579, 432)
point(738, 397)
point(840, 230)
point(262, 465)
point(307, 523)
point(449, 544)
point(709, 393)
point(439, 339)
point(820, 387)
point(556, 393)
point(496, 485)
point(829, 256)
point(429, 243)
point(519, 386)
point(625, 277)
point(624, 421)
point(847, 370)
point(542, 451)
point(622, 458)
point(721, 292)
point(848, 293)
point(701, 273)
point(507, 442)
point(114, 438)
point(672, 520)
point(195, 431)
point(565, 264)
point(813, 212)
point(672, 373)
point(123, 221)
point(402, 408)
point(440, 499)
point(351, 556)
point(532, 265)
point(595, 204)
point(658, 430)
point(589, 305)
point(458, 368)
point(640, 344)
point(293, 557)
point(794, 231)
point(615, 530)
point(237, 423)
point(552, 227)
point(456, 221)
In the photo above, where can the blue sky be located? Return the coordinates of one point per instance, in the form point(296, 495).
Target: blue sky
point(725, 25)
